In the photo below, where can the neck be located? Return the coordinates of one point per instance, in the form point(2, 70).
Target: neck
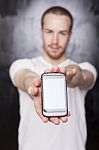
point(53, 60)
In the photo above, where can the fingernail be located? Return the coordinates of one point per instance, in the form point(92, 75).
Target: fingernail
point(30, 89)
point(74, 70)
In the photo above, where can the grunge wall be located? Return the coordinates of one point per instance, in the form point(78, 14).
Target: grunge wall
point(19, 26)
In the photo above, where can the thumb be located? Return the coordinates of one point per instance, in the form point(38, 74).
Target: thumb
point(33, 91)
point(37, 82)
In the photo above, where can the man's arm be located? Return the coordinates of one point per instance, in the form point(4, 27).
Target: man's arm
point(30, 82)
point(24, 78)
point(86, 80)
point(77, 77)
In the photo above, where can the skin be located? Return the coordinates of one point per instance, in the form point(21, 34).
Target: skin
point(55, 35)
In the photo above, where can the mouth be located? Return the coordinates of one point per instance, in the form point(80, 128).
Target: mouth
point(54, 48)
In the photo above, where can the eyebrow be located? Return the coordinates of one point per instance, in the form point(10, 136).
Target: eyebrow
point(59, 31)
point(64, 31)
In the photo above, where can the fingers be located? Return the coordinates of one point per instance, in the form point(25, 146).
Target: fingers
point(38, 105)
point(54, 120)
point(35, 92)
point(38, 109)
point(63, 70)
point(37, 82)
point(65, 118)
point(53, 69)
point(58, 120)
point(70, 72)
point(34, 89)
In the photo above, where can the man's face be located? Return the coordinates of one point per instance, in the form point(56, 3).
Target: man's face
point(55, 35)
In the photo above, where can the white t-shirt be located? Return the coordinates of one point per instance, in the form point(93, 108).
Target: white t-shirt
point(37, 135)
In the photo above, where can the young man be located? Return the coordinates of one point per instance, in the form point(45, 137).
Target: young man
point(36, 131)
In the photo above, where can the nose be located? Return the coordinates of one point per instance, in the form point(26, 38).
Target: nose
point(55, 39)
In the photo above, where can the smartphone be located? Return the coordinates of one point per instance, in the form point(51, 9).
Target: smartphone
point(54, 94)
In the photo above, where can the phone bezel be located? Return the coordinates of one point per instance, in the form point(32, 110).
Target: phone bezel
point(58, 112)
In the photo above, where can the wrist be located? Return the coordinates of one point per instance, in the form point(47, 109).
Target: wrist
point(28, 83)
point(83, 79)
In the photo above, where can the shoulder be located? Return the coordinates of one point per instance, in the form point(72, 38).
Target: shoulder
point(21, 63)
point(91, 68)
point(25, 62)
point(88, 66)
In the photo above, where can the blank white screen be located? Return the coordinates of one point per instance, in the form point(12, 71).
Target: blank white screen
point(54, 93)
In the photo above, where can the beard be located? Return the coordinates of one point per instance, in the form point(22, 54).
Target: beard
point(54, 54)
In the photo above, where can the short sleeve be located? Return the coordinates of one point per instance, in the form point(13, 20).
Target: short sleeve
point(91, 68)
point(17, 65)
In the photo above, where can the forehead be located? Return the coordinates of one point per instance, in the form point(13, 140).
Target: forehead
point(55, 21)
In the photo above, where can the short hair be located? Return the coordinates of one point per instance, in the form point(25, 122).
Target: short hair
point(57, 10)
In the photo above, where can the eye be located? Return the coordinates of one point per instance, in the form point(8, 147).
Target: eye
point(48, 31)
point(64, 33)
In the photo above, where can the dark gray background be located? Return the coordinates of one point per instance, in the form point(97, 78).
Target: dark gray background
point(19, 38)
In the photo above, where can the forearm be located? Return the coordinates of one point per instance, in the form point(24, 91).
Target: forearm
point(24, 79)
point(77, 77)
point(87, 79)
point(83, 80)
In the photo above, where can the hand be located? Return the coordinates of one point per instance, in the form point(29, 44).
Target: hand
point(73, 74)
point(35, 93)
point(57, 120)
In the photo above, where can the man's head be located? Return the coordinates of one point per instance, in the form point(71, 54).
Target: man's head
point(56, 23)
point(57, 10)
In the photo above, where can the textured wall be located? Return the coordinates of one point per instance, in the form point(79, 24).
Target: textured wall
point(20, 31)
point(19, 35)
